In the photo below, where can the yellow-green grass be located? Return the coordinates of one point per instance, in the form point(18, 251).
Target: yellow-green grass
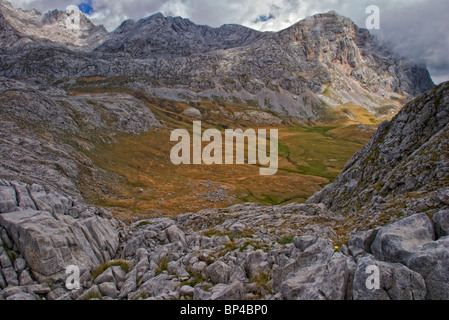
point(309, 158)
point(145, 183)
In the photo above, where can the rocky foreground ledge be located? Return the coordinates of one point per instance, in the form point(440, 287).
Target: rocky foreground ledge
point(244, 252)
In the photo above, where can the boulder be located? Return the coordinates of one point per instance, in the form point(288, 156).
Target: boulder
point(21, 296)
point(174, 234)
point(327, 281)
point(432, 262)
point(187, 290)
point(108, 289)
point(130, 284)
point(233, 291)
point(313, 252)
point(441, 223)
point(159, 285)
point(91, 293)
point(49, 245)
point(106, 276)
point(8, 199)
point(361, 242)
point(219, 272)
point(397, 242)
point(193, 113)
point(396, 281)
point(256, 262)
point(411, 242)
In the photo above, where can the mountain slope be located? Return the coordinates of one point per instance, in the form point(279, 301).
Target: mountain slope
point(54, 26)
point(43, 134)
point(321, 62)
point(161, 35)
point(403, 170)
point(312, 72)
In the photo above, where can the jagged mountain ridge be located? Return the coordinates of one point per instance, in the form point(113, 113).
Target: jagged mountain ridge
point(303, 72)
point(407, 156)
point(175, 36)
point(53, 26)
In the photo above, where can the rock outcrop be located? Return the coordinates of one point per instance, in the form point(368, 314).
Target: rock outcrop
point(42, 132)
point(43, 233)
point(244, 252)
point(404, 169)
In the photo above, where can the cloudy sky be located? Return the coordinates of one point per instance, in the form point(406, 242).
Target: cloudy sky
point(417, 29)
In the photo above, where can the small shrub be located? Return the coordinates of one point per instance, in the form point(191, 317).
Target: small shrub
point(143, 223)
point(92, 295)
point(193, 281)
point(11, 255)
point(163, 265)
point(262, 280)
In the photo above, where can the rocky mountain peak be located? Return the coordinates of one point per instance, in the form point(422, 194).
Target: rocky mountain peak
point(54, 26)
point(304, 72)
point(62, 110)
point(174, 36)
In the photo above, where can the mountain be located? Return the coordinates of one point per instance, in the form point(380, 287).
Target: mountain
point(174, 36)
point(71, 101)
point(53, 26)
point(402, 171)
point(311, 72)
point(304, 71)
point(291, 252)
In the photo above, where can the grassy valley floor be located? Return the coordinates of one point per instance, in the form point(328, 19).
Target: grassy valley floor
point(146, 184)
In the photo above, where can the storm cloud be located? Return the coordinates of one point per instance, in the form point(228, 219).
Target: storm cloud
point(415, 29)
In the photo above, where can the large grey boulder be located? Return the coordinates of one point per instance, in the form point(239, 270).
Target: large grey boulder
point(256, 262)
point(218, 272)
point(361, 242)
point(233, 291)
point(316, 272)
point(174, 234)
point(159, 285)
point(8, 198)
point(193, 113)
point(327, 281)
point(411, 242)
point(399, 241)
point(50, 244)
point(432, 262)
point(441, 223)
point(129, 285)
point(108, 289)
point(314, 251)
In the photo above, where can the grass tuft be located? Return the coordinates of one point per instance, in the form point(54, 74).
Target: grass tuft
point(125, 265)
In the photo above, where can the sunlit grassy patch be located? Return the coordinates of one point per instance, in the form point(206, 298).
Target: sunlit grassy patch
point(141, 182)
